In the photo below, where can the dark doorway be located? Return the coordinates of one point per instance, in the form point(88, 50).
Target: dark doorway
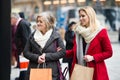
point(5, 41)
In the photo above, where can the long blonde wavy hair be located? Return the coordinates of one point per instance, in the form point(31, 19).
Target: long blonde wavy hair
point(93, 21)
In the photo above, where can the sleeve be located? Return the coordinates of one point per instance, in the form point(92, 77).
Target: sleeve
point(56, 55)
point(25, 31)
point(106, 48)
point(70, 53)
point(28, 53)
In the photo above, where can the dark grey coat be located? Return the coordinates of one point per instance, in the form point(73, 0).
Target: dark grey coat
point(32, 51)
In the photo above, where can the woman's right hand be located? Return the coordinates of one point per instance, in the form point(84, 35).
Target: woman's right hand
point(41, 59)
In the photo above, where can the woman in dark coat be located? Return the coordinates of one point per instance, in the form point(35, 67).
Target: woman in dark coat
point(42, 46)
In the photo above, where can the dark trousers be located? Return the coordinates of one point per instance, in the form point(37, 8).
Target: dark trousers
point(22, 75)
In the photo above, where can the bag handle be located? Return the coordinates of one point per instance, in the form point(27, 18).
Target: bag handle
point(44, 65)
point(65, 71)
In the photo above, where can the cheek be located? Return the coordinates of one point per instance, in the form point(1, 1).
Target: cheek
point(41, 26)
point(87, 20)
point(45, 26)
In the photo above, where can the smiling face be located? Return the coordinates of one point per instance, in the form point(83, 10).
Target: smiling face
point(84, 19)
point(41, 26)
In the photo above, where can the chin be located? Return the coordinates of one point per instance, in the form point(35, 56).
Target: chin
point(82, 25)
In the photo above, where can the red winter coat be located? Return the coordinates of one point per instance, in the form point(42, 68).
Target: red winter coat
point(100, 48)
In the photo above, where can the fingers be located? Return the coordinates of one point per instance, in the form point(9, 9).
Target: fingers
point(41, 58)
point(58, 49)
point(88, 58)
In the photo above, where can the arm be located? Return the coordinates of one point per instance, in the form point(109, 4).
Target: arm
point(25, 31)
point(28, 54)
point(106, 48)
point(69, 53)
point(58, 54)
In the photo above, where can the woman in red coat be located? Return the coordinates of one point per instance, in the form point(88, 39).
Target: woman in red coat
point(91, 44)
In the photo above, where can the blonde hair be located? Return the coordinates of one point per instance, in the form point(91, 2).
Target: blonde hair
point(93, 22)
point(48, 18)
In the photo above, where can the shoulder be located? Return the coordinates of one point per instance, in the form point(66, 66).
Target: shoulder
point(32, 35)
point(55, 33)
point(102, 34)
point(23, 21)
point(103, 31)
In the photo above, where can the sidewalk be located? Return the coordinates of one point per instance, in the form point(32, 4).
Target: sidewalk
point(14, 73)
point(113, 63)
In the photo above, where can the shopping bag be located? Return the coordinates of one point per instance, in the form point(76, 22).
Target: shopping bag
point(24, 62)
point(82, 73)
point(41, 74)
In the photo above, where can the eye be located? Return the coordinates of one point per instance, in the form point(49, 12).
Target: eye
point(81, 16)
point(39, 21)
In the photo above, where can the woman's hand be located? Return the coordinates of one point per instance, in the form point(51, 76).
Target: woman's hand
point(88, 58)
point(58, 49)
point(41, 58)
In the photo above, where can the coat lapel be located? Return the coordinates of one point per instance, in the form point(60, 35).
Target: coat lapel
point(92, 45)
point(51, 39)
point(38, 47)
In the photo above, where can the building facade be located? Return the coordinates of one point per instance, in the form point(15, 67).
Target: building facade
point(32, 7)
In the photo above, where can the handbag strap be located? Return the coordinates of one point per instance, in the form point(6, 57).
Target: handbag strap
point(60, 71)
point(65, 71)
point(44, 65)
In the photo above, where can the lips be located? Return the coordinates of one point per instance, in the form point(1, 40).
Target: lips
point(39, 26)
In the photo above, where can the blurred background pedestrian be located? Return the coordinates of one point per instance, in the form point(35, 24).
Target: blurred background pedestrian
point(69, 35)
point(21, 31)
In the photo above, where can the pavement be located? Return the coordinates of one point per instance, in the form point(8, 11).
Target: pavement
point(14, 73)
point(113, 63)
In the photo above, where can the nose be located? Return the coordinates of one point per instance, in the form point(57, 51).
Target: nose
point(80, 18)
point(38, 22)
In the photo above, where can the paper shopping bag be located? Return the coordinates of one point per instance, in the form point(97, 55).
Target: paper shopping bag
point(82, 73)
point(41, 74)
point(24, 62)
